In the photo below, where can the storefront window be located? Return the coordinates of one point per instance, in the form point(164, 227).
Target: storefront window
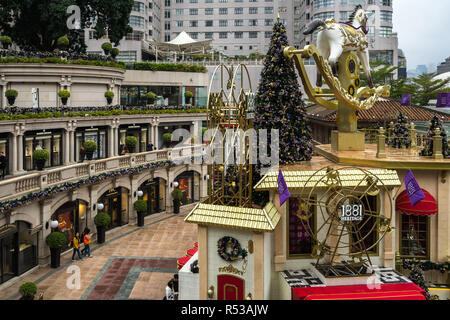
point(48, 140)
point(27, 247)
point(154, 195)
point(71, 219)
point(99, 135)
point(300, 240)
point(136, 95)
point(115, 203)
point(4, 150)
point(137, 131)
point(189, 183)
point(8, 250)
point(414, 236)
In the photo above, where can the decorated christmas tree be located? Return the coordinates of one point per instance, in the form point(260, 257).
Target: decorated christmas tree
point(279, 103)
point(428, 147)
point(401, 136)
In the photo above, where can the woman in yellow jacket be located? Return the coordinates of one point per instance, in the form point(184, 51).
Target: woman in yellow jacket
point(76, 246)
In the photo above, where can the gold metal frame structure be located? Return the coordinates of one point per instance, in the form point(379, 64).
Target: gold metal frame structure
point(336, 238)
point(230, 173)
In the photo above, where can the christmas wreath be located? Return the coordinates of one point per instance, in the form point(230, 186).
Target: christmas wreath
point(194, 267)
point(230, 249)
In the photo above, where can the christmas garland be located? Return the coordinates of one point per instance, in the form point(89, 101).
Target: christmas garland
point(426, 265)
point(237, 252)
point(48, 192)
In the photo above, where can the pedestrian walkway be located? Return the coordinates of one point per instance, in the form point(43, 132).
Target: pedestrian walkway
point(133, 263)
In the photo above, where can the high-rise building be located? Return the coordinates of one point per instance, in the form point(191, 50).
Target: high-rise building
point(146, 21)
point(383, 43)
point(242, 27)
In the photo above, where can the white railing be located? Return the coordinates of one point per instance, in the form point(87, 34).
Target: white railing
point(35, 181)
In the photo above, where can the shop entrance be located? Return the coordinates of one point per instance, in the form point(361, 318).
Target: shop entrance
point(230, 288)
point(115, 203)
point(8, 252)
point(154, 191)
point(71, 218)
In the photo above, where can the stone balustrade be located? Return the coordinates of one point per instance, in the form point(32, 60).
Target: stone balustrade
point(35, 181)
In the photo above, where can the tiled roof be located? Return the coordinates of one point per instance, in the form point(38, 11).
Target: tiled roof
point(383, 110)
point(348, 178)
point(235, 217)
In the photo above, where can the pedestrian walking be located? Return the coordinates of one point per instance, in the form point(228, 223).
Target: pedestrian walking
point(169, 291)
point(76, 246)
point(87, 241)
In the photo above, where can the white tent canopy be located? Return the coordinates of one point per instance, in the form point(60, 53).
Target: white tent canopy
point(182, 44)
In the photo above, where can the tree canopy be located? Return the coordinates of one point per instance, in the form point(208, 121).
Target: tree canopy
point(37, 24)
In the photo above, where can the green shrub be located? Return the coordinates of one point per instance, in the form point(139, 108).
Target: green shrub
point(140, 206)
point(115, 52)
point(28, 289)
point(109, 94)
point(167, 138)
point(5, 39)
point(56, 240)
point(64, 94)
point(102, 220)
point(90, 146)
point(180, 67)
point(55, 60)
point(107, 47)
point(131, 141)
point(188, 94)
point(41, 154)
point(63, 41)
point(177, 194)
point(151, 95)
point(11, 93)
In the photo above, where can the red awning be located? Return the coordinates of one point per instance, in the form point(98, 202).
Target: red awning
point(191, 252)
point(426, 207)
point(397, 291)
point(182, 261)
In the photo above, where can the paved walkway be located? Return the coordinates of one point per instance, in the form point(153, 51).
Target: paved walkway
point(133, 263)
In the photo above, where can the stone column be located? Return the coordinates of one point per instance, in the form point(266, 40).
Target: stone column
point(66, 146)
point(20, 153)
point(110, 141)
point(72, 146)
point(169, 188)
point(45, 213)
point(13, 154)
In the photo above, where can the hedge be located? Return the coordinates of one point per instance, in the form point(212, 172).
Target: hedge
point(180, 67)
point(56, 60)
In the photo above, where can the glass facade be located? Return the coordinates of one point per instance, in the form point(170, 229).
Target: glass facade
point(155, 194)
point(48, 140)
point(135, 96)
point(189, 183)
point(137, 131)
point(115, 203)
point(4, 149)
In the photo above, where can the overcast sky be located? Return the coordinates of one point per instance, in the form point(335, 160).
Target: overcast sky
point(423, 30)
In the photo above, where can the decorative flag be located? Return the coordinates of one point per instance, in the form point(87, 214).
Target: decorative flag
point(406, 99)
point(283, 190)
point(443, 100)
point(415, 193)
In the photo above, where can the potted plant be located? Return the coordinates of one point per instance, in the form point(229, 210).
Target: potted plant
point(6, 41)
point(109, 95)
point(141, 207)
point(63, 42)
point(102, 221)
point(188, 96)
point(177, 195)
point(64, 95)
point(107, 48)
point(131, 142)
point(114, 52)
point(89, 148)
point(28, 290)
point(40, 156)
point(150, 97)
point(11, 95)
point(167, 138)
point(55, 240)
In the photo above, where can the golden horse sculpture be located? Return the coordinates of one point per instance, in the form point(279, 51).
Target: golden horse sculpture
point(341, 56)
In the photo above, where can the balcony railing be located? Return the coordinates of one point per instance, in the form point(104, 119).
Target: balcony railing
point(18, 186)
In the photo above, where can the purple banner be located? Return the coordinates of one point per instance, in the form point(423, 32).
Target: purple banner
point(406, 99)
point(283, 190)
point(415, 193)
point(443, 100)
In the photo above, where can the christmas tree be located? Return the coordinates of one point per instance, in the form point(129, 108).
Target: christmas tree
point(279, 103)
point(428, 147)
point(401, 136)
